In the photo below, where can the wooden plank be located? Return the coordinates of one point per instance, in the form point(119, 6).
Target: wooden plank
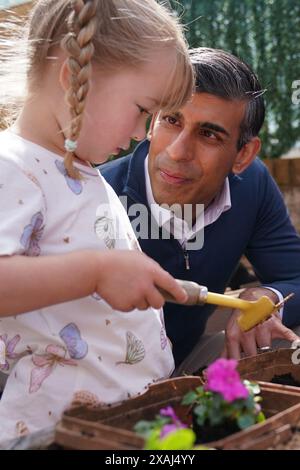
point(269, 163)
point(295, 171)
point(281, 171)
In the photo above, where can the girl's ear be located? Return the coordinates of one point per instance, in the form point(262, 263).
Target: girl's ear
point(246, 155)
point(64, 76)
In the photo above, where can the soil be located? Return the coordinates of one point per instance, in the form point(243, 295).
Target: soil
point(285, 379)
point(206, 434)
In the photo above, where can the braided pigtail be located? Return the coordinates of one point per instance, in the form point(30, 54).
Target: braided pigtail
point(78, 43)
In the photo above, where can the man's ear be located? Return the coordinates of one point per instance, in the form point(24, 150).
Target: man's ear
point(246, 155)
point(64, 76)
point(151, 127)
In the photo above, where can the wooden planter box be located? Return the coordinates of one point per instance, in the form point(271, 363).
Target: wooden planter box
point(265, 366)
point(111, 428)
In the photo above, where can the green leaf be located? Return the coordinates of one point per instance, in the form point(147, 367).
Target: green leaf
point(200, 412)
point(144, 428)
point(189, 398)
point(215, 416)
point(249, 404)
point(245, 421)
point(260, 418)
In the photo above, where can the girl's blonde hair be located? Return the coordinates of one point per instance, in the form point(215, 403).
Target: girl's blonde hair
point(111, 33)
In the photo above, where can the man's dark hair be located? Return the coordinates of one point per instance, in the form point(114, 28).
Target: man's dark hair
point(220, 73)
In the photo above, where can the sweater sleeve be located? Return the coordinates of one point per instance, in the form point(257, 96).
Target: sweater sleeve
point(274, 247)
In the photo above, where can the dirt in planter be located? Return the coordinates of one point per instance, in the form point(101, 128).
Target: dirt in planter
point(206, 434)
point(285, 379)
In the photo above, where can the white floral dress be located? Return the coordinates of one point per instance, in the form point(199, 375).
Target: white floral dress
point(81, 350)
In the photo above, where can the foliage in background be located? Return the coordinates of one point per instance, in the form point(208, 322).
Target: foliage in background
point(266, 34)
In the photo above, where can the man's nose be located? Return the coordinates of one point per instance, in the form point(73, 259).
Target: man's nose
point(180, 148)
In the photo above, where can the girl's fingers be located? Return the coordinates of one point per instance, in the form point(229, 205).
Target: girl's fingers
point(166, 282)
point(155, 299)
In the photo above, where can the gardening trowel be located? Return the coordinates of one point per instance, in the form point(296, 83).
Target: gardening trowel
point(253, 312)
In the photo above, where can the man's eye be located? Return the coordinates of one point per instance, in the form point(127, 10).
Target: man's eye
point(208, 134)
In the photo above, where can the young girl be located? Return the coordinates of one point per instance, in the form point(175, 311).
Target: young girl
point(67, 276)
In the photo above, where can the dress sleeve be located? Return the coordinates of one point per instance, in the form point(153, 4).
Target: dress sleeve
point(22, 211)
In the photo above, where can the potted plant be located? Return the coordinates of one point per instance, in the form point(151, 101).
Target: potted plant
point(280, 366)
point(224, 405)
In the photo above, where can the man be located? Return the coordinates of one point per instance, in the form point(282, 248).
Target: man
point(206, 154)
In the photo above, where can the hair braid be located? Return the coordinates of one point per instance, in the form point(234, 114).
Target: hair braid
point(78, 43)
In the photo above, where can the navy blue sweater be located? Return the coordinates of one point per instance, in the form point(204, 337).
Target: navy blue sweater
point(257, 225)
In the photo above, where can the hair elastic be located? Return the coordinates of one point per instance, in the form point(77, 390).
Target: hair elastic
point(70, 145)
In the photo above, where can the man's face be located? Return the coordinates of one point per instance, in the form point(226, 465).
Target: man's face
point(193, 151)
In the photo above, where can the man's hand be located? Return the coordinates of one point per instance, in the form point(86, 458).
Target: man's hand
point(237, 342)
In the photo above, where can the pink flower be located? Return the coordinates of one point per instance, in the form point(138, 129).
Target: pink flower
point(169, 411)
point(222, 377)
point(174, 425)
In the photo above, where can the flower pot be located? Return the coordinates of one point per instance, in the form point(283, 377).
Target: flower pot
point(112, 428)
point(274, 366)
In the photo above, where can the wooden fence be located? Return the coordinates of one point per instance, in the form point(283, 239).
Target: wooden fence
point(286, 172)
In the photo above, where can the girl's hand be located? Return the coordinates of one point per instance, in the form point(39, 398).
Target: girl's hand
point(130, 279)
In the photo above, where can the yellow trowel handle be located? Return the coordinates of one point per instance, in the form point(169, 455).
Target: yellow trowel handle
point(198, 295)
point(253, 312)
point(227, 301)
